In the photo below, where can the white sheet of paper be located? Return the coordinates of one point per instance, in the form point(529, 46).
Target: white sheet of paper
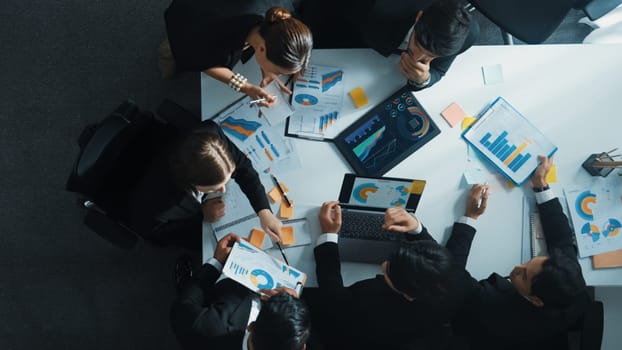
point(493, 74)
point(281, 110)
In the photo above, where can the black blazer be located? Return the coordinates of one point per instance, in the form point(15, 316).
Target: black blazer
point(377, 24)
point(497, 314)
point(210, 315)
point(158, 192)
point(369, 314)
point(205, 34)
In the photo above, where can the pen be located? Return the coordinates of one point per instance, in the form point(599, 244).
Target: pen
point(479, 201)
point(257, 101)
point(282, 252)
point(283, 193)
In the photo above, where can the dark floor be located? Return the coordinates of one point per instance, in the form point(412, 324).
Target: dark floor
point(64, 64)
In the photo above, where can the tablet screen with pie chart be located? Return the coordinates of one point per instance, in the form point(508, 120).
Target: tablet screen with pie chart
point(387, 134)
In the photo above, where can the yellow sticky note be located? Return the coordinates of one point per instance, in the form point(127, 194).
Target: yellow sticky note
point(466, 122)
point(287, 235)
point(358, 97)
point(551, 177)
point(256, 238)
point(453, 114)
point(286, 212)
point(417, 187)
point(275, 195)
point(509, 184)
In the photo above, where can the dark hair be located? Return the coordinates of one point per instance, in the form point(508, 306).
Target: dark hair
point(202, 159)
point(443, 27)
point(288, 40)
point(283, 324)
point(560, 281)
point(420, 269)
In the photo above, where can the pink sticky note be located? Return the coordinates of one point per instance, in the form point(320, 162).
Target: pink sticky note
point(453, 114)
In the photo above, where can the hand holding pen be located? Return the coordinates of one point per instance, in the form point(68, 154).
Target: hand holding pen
point(477, 201)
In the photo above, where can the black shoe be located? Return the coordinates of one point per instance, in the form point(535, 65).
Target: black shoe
point(183, 271)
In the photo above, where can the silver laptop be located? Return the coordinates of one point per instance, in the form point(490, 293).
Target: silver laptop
point(363, 202)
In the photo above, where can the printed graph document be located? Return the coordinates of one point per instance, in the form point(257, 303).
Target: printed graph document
point(596, 214)
point(241, 219)
point(508, 140)
point(281, 109)
point(262, 143)
point(317, 100)
point(257, 270)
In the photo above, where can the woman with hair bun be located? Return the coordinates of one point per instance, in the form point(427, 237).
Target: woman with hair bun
point(212, 39)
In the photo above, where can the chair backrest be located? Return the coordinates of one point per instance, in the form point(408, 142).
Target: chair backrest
point(114, 154)
point(531, 21)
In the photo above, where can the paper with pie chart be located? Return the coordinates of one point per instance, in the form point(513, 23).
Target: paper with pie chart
point(380, 193)
point(596, 215)
point(257, 270)
point(317, 100)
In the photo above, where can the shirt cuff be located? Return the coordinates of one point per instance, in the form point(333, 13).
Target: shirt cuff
point(468, 221)
point(327, 237)
point(419, 228)
point(544, 196)
point(217, 265)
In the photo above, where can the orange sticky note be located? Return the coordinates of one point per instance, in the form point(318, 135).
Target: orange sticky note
point(256, 238)
point(275, 195)
point(286, 212)
point(287, 235)
point(358, 97)
point(453, 114)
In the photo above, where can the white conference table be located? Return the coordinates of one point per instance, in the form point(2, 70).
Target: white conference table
point(570, 92)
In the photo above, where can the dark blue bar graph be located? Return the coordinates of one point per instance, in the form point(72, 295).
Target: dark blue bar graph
point(499, 146)
point(497, 140)
point(521, 162)
point(505, 155)
point(505, 152)
point(502, 151)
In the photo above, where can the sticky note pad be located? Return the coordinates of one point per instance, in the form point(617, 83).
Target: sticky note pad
point(287, 235)
point(275, 195)
point(551, 177)
point(417, 187)
point(453, 114)
point(466, 122)
point(256, 238)
point(358, 97)
point(493, 74)
point(286, 212)
point(474, 176)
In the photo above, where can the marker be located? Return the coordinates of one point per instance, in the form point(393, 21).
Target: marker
point(283, 193)
point(263, 99)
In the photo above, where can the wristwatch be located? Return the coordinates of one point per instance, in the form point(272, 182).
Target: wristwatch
point(540, 189)
point(420, 84)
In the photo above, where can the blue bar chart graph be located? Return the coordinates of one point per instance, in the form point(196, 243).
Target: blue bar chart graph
point(505, 152)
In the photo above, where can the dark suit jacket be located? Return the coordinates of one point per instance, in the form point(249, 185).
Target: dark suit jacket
point(205, 34)
point(158, 192)
point(496, 314)
point(369, 314)
point(377, 24)
point(210, 315)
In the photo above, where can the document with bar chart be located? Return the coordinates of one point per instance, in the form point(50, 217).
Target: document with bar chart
point(317, 100)
point(509, 141)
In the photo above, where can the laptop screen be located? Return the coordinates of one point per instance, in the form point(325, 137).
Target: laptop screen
point(361, 192)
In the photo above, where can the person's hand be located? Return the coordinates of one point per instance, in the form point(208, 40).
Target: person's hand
point(213, 209)
point(270, 224)
point(223, 248)
point(330, 217)
point(399, 220)
point(417, 71)
point(268, 293)
point(255, 92)
point(538, 179)
point(270, 77)
point(476, 201)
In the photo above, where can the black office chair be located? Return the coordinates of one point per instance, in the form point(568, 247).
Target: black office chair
point(114, 155)
point(587, 332)
point(533, 21)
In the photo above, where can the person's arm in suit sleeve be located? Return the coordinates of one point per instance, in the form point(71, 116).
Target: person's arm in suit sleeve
point(463, 232)
point(399, 220)
point(326, 252)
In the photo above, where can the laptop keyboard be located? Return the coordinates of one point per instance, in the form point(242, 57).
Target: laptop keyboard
point(365, 226)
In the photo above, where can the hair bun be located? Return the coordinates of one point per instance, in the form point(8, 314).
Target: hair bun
point(276, 14)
